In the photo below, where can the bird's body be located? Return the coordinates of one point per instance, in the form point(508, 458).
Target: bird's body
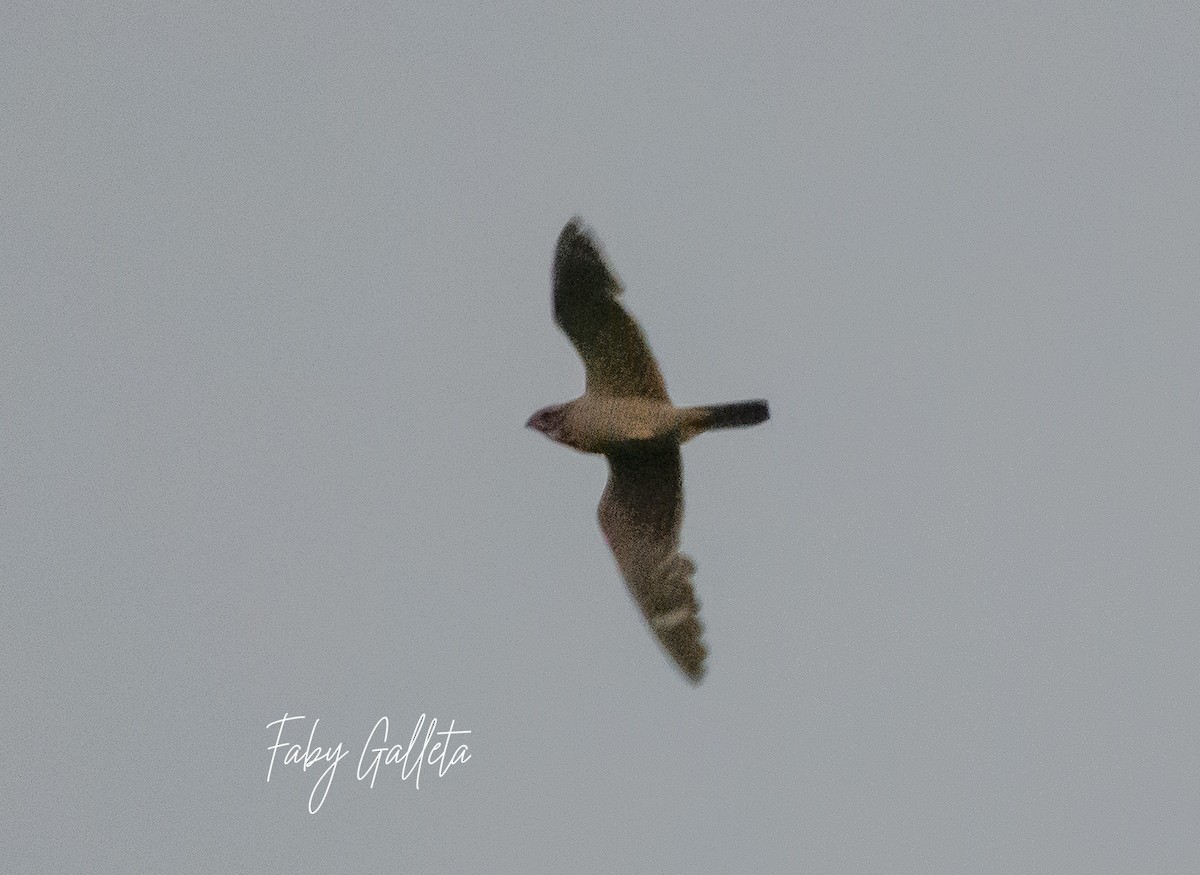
point(608, 423)
point(626, 414)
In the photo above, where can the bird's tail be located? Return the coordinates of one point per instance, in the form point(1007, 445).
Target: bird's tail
point(697, 420)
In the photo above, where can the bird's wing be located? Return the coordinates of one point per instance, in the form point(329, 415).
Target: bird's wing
point(615, 354)
point(640, 514)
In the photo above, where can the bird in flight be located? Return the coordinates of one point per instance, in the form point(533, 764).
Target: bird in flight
point(626, 415)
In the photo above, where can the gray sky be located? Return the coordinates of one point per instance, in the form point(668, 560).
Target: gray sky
point(276, 306)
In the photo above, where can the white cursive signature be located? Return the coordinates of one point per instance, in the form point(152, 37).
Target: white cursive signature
point(410, 759)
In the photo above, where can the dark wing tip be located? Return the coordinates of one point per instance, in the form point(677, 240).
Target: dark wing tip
point(687, 650)
point(579, 263)
point(573, 236)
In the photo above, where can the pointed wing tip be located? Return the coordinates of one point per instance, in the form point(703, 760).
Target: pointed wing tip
point(691, 661)
point(583, 291)
point(573, 230)
point(695, 674)
point(576, 242)
point(685, 647)
point(681, 635)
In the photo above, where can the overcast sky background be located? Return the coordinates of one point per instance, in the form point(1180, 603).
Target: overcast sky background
point(275, 288)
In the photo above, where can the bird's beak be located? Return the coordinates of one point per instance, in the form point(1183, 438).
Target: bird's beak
point(529, 421)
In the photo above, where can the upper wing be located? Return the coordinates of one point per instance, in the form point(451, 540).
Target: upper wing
point(640, 514)
point(614, 350)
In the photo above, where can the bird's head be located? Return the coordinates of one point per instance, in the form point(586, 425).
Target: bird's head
point(550, 421)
